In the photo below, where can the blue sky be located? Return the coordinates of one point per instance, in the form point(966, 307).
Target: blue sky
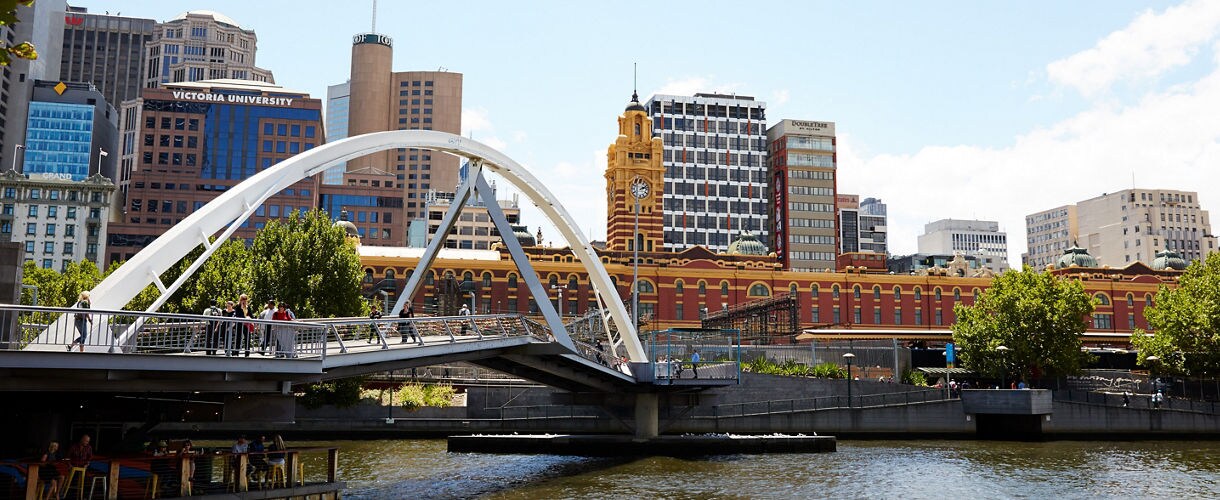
point(988, 110)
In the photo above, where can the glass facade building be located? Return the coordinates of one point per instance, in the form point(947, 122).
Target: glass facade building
point(58, 139)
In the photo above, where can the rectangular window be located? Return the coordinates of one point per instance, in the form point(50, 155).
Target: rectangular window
point(31, 229)
point(50, 230)
point(32, 211)
point(48, 247)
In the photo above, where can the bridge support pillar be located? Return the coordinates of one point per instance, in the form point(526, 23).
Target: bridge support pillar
point(647, 416)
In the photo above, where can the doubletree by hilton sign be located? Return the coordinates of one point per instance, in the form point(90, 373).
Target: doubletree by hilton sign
point(261, 100)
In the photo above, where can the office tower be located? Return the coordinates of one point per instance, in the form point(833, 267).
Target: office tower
point(1127, 226)
point(56, 220)
point(380, 99)
point(105, 50)
point(978, 238)
point(71, 132)
point(802, 170)
point(39, 25)
point(201, 45)
point(337, 100)
point(862, 224)
point(194, 140)
point(715, 162)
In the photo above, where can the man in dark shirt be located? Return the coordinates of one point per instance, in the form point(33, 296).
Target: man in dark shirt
point(81, 453)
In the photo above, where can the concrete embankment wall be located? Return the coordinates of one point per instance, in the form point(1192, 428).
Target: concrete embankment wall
point(1083, 420)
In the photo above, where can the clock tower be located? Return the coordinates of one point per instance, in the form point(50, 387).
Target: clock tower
point(634, 172)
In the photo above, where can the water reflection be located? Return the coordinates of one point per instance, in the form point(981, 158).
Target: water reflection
point(860, 469)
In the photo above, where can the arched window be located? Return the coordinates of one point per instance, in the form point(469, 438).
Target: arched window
point(918, 294)
point(449, 275)
point(936, 293)
point(678, 287)
point(1130, 300)
point(486, 280)
point(512, 281)
point(1102, 299)
point(792, 289)
point(957, 295)
point(759, 290)
point(645, 286)
point(552, 280)
point(702, 287)
point(389, 274)
point(724, 288)
point(1147, 300)
point(467, 279)
point(573, 284)
point(876, 292)
point(834, 291)
point(813, 290)
point(897, 294)
point(975, 294)
point(368, 275)
point(430, 278)
point(855, 290)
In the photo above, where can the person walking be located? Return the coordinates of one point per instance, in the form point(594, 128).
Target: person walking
point(406, 328)
point(464, 311)
point(694, 363)
point(244, 329)
point(82, 321)
point(267, 345)
point(285, 336)
point(230, 329)
point(211, 331)
point(374, 315)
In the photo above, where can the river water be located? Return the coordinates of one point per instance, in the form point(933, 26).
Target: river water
point(860, 469)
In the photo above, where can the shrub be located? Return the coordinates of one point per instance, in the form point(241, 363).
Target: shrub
point(828, 370)
point(414, 395)
point(914, 378)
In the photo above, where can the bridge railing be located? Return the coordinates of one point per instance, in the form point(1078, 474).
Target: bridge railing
point(423, 330)
point(35, 328)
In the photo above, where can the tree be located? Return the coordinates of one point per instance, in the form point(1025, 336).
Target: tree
point(309, 263)
point(1185, 323)
point(8, 17)
point(56, 289)
point(1038, 316)
point(225, 276)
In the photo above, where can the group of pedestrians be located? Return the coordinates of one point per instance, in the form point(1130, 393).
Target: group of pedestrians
point(233, 337)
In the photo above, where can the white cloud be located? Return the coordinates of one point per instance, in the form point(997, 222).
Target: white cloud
point(475, 120)
point(1169, 139)
point(691, 84)
point(779, 97)
point(1148, 47)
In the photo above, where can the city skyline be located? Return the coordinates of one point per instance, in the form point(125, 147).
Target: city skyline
point(1051, 111)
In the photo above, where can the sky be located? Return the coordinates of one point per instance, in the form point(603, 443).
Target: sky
point(943, 109)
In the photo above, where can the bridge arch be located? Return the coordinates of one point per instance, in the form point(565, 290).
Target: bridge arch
point(227, 211)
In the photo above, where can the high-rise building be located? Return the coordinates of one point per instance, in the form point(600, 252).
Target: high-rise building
point(715, 162)
point(380, 99)
point(1048, 233)
point(1127, 226)
point(105, 50)
point(862, 224)
point(56, 220)
point(195, 140)
point(201, 45)
point(39, 25)
point(802, 164)
point(71, 132)
point(979, 238)
point(337, 100)
point(474, 228)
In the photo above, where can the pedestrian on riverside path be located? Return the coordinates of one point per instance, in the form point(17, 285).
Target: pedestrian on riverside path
point(1157, 399)
point(1126, 399)
point(267, 345)
point(82, 321)
point(694, 363)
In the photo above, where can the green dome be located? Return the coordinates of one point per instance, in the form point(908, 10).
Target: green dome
point(1168, 259)
point(351, 229)
point(747, 244)
point(1076, 257)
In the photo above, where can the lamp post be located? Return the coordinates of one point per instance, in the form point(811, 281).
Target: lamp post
point(1003, 364)
point(848, 357)
point(16, 149)
point(560, 289)
point(1152, 362)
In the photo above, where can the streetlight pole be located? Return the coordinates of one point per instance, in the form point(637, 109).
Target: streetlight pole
point(16, 148)
point(1152, 362)
point(1003, 364)
point(560, 289)
point(848, 357)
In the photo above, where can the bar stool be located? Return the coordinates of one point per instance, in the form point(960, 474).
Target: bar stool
point(277, 474)
point(75, 475)
point(153, 486)
point(105, 484)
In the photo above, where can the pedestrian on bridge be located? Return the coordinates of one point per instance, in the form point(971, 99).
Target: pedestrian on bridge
point(694, 363)
point(231, 329)
point(267, 314)
point(406, 328)
point(374, 315)
point(244, 329)
point(211, 330)
point(285, 336)
point(82, 320)
point(465, 311)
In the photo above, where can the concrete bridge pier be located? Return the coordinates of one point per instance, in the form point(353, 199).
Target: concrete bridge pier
point(647, 416)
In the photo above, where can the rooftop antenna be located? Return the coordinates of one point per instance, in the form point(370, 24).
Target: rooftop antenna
point(374, 30)
point(635, 78)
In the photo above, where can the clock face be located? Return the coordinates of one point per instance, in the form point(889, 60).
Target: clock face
point(639, 188)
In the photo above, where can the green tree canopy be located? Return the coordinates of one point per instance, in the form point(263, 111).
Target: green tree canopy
point(309, 263)
point(1038, 316)
point(1185, 323)
point(8, 17)
point(56, 289)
